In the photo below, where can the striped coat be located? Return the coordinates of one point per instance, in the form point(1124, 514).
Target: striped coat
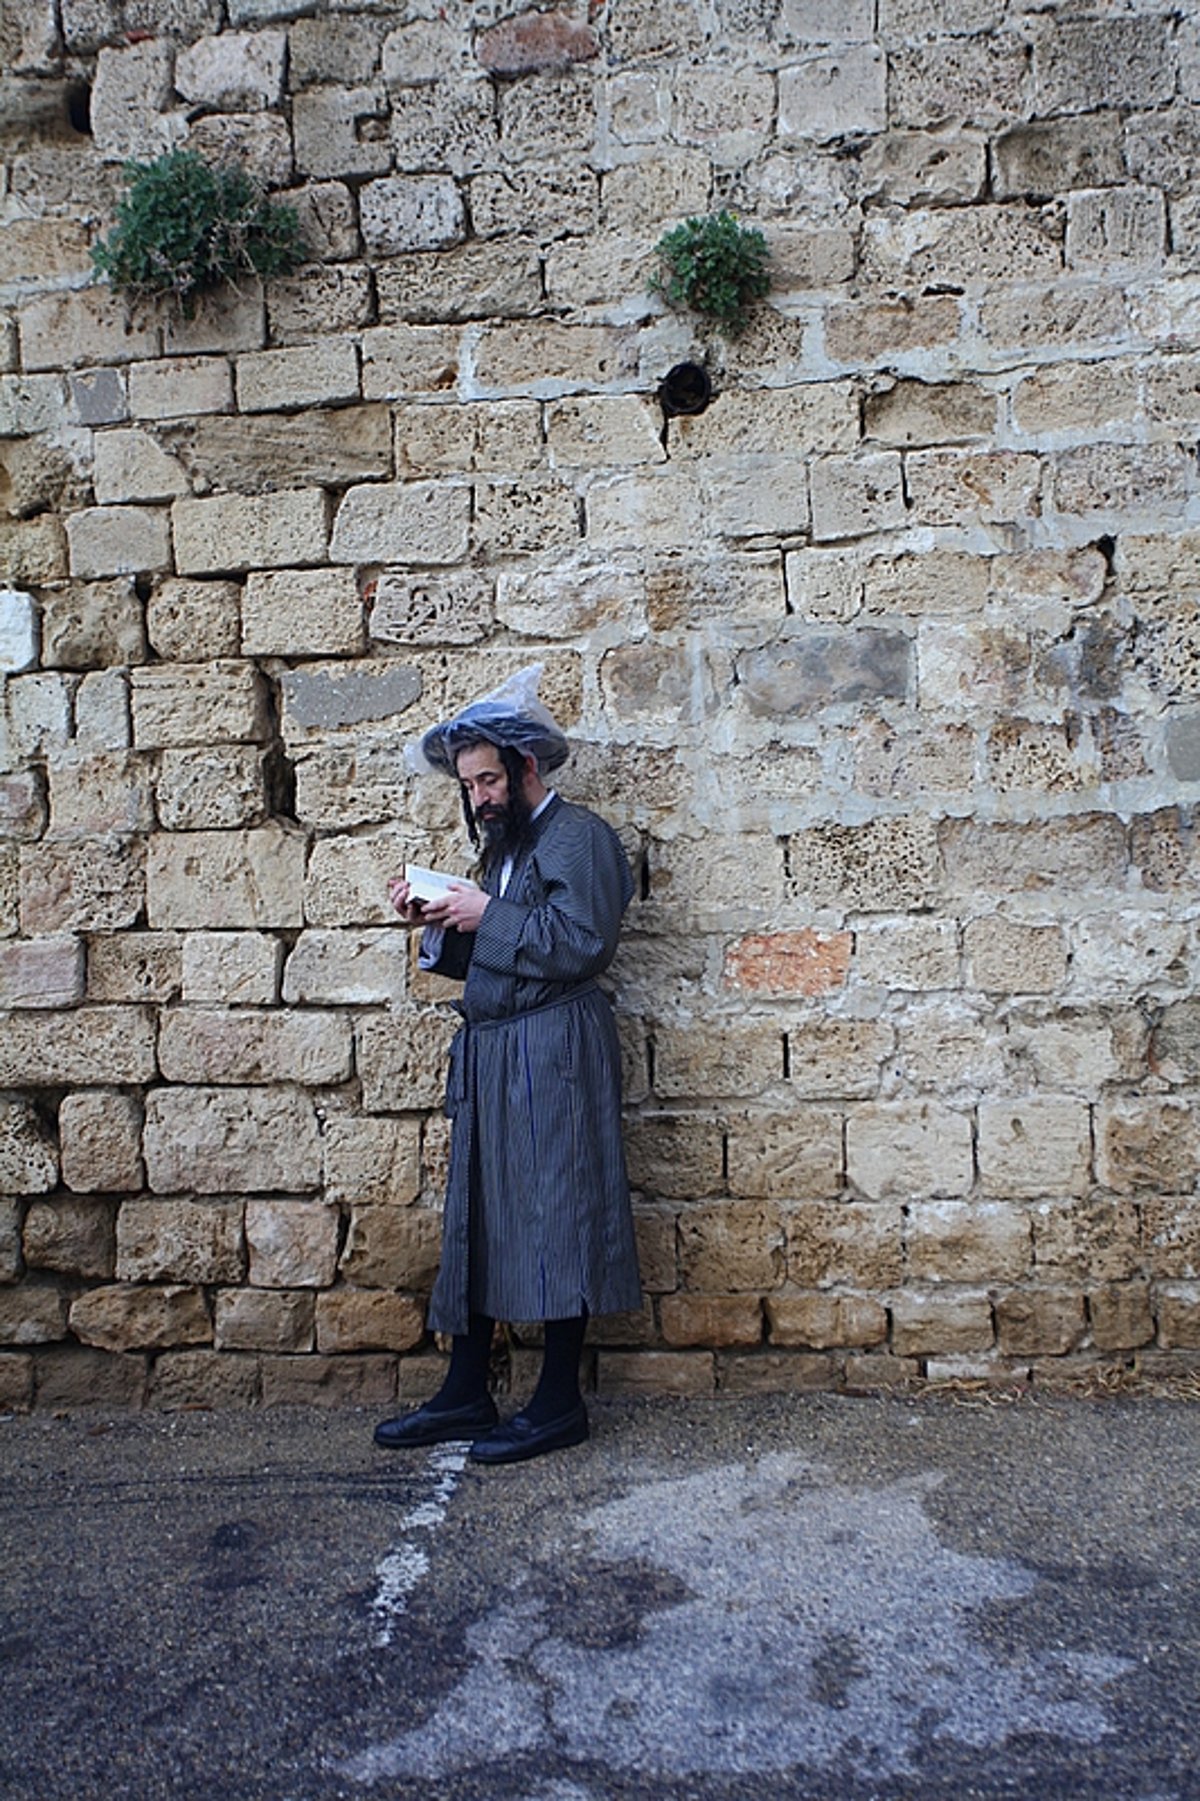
point(537, 1220)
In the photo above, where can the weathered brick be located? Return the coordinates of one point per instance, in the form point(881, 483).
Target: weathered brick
point(231, 1141)
point(535, 41)
point(193, 1241)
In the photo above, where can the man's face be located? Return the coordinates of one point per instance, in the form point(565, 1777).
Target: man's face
point(485, 783)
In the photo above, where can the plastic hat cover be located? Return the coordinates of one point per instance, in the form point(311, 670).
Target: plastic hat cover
point(510, 715)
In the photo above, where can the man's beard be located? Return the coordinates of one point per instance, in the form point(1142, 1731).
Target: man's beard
point(503, 830)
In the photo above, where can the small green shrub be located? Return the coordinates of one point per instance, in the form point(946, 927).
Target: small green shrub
point(714, 266)
point(184, 227)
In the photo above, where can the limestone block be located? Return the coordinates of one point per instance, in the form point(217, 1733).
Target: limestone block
point(227, 319)
point(853, 496)
point(1077, 396)
point(134, 966)
point(792, 1155)
point(1044, 157)
point(189, 621)
point(549, 360)
point(393, 1247)
point(1107, 227)
point(22, 805)
point(225, 880)
point(351, 1319)
point(976, 81)
point(718, 873)
point(774, 963)
point(663, 511)
point(153, 1319)
point(921, 413)
point(1034, 1146)
point(1169, 389)
point(653, 192)
point(41, 972)
point(472, 281)
point(93, 626)
point(211, 790)
point(811, 669)
point(409, 359)
point(192, 1241)
point(32, 551)
point(825, 1321)
point(1080, 65)
point(97, 1044)
point(322, 300)
point(130, 97)
point(937, 1324)
point(420, 607)
point(1056, 317)
point(28, 1161)
point(91, 887)
point(752, 497)
point(1159, 148)
point(251, 1319)
point(197, 703)
point(237, 71)
point(831, 96)
point(906, 19)
point(203, 1379)
point(1125, 954)
point(74, 1237)
point(347, 877)
point(18, 631)
point(119, 540)
point(514, 517)
point(718, 1320)
point(179, 386)
point(543, 200)
point(883, 866)
point(341, 132)
point(743, 589)
point(1005, 956)
point(402, 522)
point(445, 125)
point(234, 532)
point(1120, 1316)
point(923, 168)
point(30, 403)
point(402, 1060)
point(1179, 1316)
point(949, 487)
point(982, 244)
point(907, 955)
point(730, 113)
point(33, 1313)
point(1044, 1322)
point(39, 714)
point(363, 1379)
point(1147, 1143)
point(909, 1150)
point(314, 375)
point(292, 1244)
point(335, 49)
point(654, 1372)
point(1083, 853)
point(344, 785)
point(967, 665)
point(594, 431)
point(731, 1247)
point(232, 968)
point(98, 397)
point(8, 889)
point(504, 435)
point(535, 41)
point(968, 1241)
point(814, 416)
point(258, 453)
point(321, 699)
point(350, 968)
point(1021, 754)
point(600, 271)
point(1170, 1236)
point(734, 1060)
point(302, 612)
point(837, 1058)
point(198, 1044)
point(372, 1163)
point(64, 331)
point(845, 1244)
point(231, 1141)
point(403, 213)
point(638, 108)
point(95, 792)
point(678, 1155)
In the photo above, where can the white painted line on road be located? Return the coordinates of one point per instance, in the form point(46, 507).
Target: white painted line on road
point(401, 1570)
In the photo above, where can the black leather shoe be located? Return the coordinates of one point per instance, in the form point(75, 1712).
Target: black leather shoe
point(519, 1438)
point(436, 1426)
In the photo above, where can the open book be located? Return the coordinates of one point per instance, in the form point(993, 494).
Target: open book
point(431, 884)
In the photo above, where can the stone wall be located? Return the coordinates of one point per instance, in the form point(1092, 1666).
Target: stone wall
point(887, 667)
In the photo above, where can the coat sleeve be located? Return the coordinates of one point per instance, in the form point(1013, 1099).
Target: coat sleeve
point(445, 952)
point(571, 934)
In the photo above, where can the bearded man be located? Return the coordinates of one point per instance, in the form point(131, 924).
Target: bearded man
point(537, 1222)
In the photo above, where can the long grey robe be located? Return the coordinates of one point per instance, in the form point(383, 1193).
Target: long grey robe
point(537, 1221)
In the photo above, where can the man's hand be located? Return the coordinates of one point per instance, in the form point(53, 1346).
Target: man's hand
point(411, 911)
point(461, 907)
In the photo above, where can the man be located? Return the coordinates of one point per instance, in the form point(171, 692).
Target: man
point(537, 1219)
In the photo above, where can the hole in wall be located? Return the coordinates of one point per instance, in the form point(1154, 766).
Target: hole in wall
point(79, 107)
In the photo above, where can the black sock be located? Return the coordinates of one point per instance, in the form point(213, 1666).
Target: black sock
point(557, 1391)
point(470, 1359)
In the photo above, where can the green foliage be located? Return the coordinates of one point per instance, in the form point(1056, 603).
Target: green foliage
point(184, 227)
point(714, 266)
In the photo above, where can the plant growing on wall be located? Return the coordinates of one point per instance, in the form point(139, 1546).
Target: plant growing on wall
point(184, 227)
point(714, 266)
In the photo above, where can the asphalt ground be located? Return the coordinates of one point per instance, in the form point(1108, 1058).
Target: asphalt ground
point(934, 1599)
